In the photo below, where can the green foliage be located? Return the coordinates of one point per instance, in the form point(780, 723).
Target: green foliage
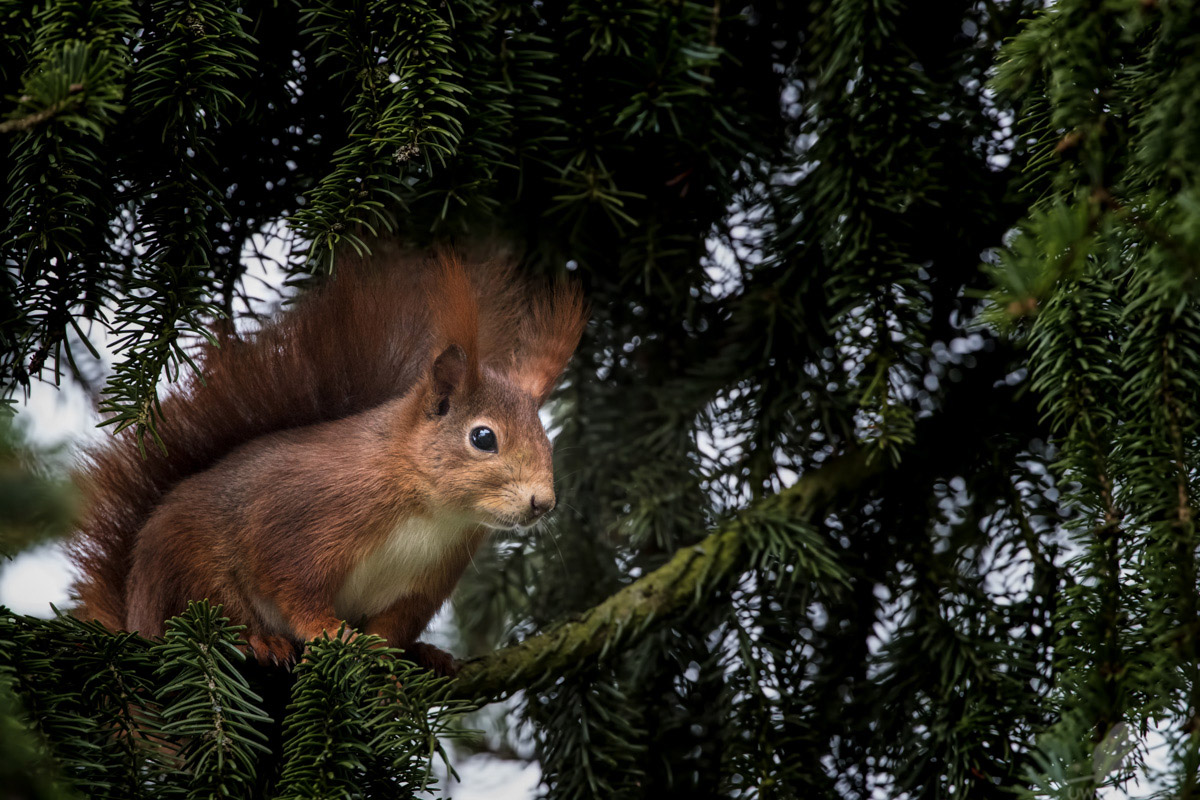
point(1100, 283)
point(87, 713)
point(362, 724)
point(394, 58)
point(191, 56)
point(27, 770)
point(208, 714)
point(60, 190)
point(35, 505)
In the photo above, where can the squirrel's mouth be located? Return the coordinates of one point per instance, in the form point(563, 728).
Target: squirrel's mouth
point(507, 514)
point(508, 523)
point(503, 522)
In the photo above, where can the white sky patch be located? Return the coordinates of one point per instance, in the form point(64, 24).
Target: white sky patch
point(35, 579)
point(487, 778)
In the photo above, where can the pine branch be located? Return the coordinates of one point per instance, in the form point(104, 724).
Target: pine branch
point(404, 115)
point(362, 723)
point(675, 586)
point(208, 708)
point(28, 769)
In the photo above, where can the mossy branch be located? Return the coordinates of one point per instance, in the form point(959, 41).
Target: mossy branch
point(671, 588)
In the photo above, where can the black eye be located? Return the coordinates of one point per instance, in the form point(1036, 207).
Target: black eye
point(483, 439)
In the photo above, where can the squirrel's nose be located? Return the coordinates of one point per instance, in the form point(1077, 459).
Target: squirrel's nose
point(540, 505)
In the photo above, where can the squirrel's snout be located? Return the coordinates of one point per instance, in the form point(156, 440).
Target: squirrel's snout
point(540, 505)
point(518, 513)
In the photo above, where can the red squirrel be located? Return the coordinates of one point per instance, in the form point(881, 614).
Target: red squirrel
point(342, 464)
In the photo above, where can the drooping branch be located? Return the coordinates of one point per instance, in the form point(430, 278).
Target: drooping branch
point(671, 588)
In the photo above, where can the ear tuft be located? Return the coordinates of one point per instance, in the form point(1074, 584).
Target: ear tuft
point(455, 310)
point(547, 338)
point(447, 375)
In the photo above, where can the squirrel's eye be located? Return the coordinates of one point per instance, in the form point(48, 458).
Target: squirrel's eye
point(483, 439)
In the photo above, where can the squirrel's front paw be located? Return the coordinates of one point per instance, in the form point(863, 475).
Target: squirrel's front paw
point(272, 650)
point(432, 658)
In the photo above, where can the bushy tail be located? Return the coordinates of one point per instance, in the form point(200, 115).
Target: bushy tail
point(359, 341)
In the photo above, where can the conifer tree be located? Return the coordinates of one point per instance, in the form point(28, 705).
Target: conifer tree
point(878, 458)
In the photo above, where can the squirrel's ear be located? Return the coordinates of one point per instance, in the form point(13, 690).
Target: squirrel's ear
point(547, 337)
point(446, 376)
point(538, 378)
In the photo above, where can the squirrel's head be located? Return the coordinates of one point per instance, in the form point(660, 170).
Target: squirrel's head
point(500, 348)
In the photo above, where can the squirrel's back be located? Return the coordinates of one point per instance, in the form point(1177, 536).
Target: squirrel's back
point(349, 346)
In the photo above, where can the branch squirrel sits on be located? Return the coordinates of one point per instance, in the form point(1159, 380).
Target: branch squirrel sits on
point(342, 464)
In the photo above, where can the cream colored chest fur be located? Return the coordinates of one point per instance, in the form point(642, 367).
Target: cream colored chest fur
point(416, 549)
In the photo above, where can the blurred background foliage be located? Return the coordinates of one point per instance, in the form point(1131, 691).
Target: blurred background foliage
point(779, 211)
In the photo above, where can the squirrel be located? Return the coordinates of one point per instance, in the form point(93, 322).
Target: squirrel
point(340, 465)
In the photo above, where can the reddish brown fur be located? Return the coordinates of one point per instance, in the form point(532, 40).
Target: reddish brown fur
point(309, 442)
point(547, 336)
point(457, 320)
